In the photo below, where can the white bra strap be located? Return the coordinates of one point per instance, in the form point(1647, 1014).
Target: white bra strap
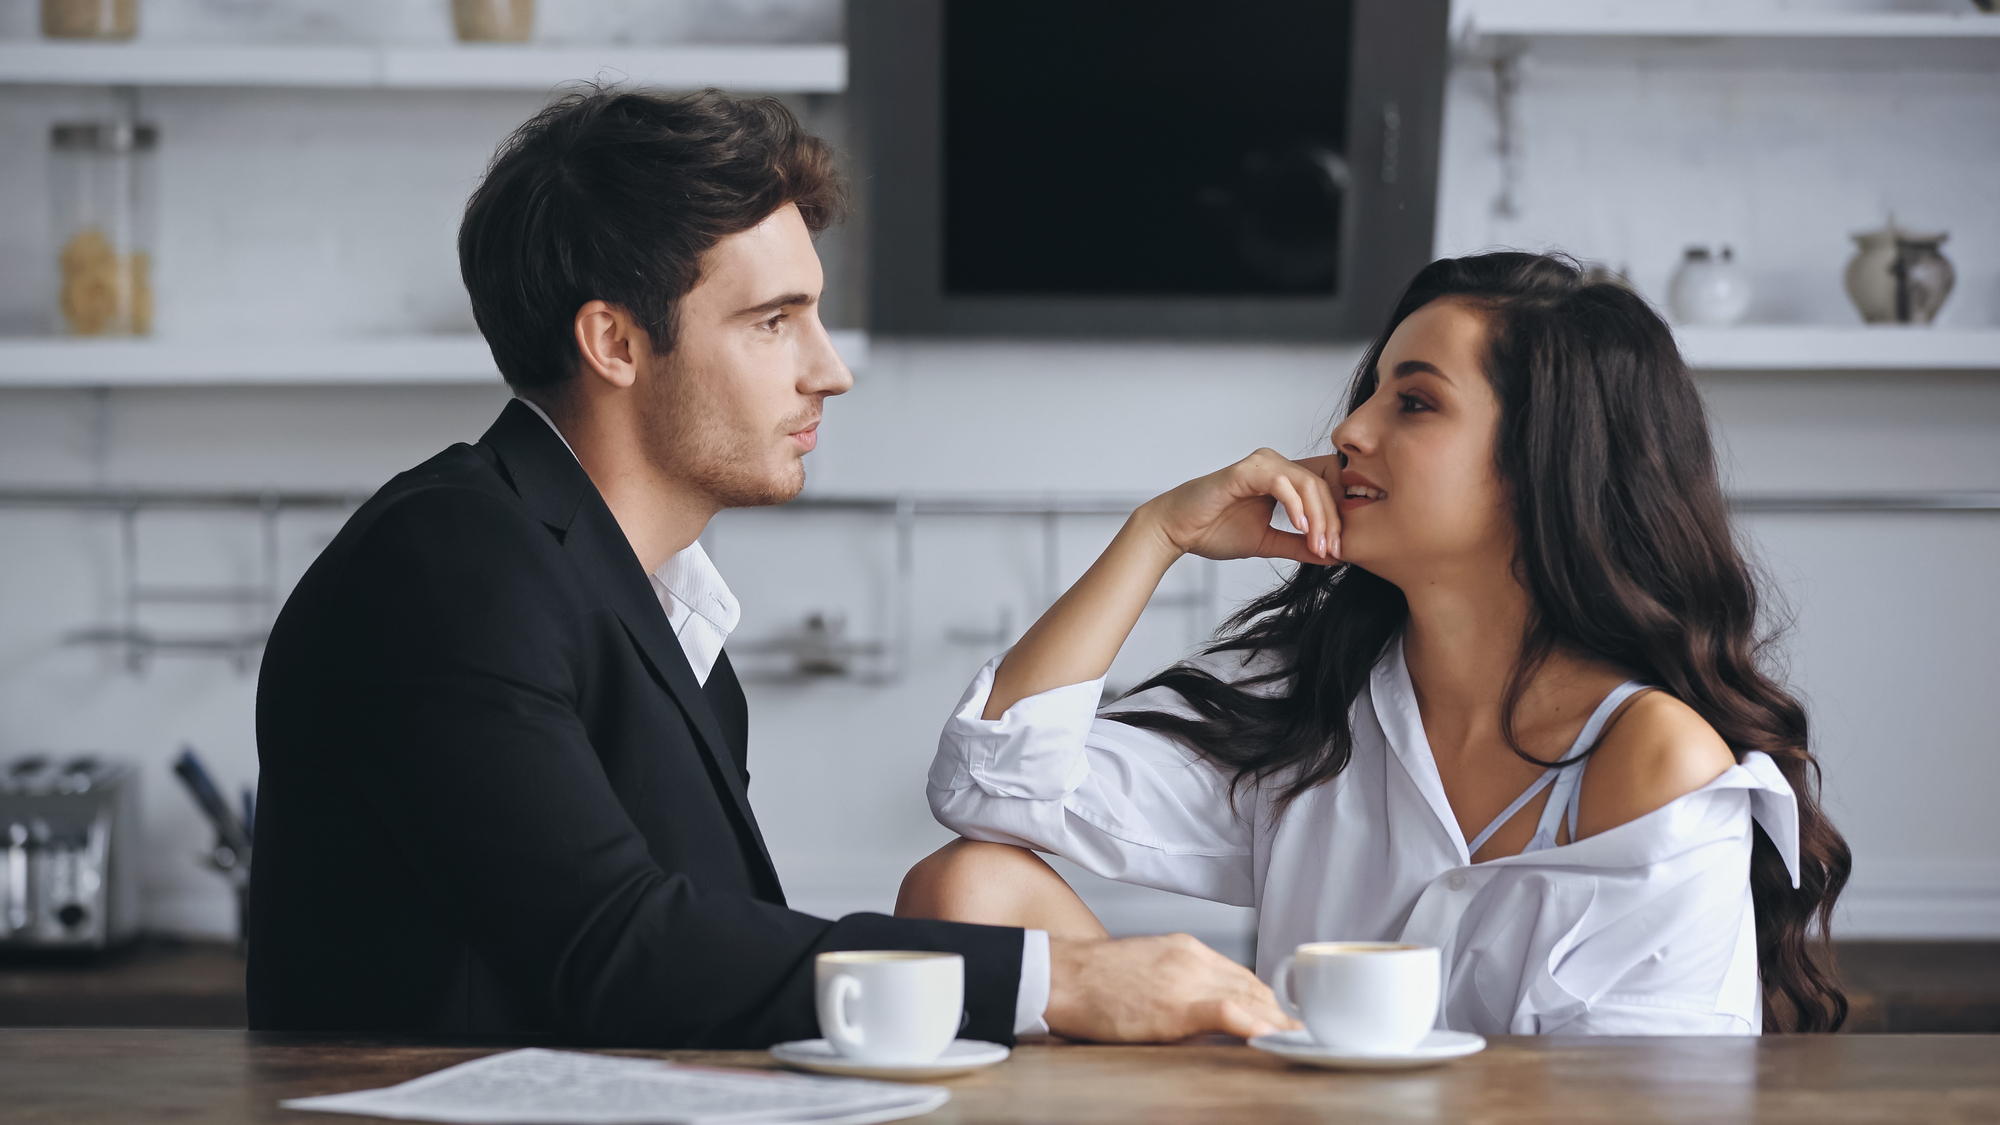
point(1563, 798)
point(1568, 793)
point(1588, 735)
point(1540, 784)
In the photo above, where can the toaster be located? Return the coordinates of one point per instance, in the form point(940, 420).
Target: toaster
point(69, 852)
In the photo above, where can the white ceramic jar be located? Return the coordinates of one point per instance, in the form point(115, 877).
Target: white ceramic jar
point(1707, 289)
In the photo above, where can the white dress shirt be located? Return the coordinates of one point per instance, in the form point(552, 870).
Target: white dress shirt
point(1643, 929)
point(702, 613)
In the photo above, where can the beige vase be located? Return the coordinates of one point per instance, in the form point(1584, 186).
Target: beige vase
point(1898, 276)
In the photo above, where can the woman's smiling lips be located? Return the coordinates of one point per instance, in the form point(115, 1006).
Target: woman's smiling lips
point(1357, 491)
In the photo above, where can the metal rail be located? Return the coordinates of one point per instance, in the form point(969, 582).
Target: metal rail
point(182, 499)
point(819, 649)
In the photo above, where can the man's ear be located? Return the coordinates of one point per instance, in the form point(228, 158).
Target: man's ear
point(610, 343)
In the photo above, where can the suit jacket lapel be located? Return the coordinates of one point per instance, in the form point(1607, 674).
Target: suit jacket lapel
point(725, 699)
point(561, 495)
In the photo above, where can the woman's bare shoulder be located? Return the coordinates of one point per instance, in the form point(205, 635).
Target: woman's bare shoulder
point(1657, 751)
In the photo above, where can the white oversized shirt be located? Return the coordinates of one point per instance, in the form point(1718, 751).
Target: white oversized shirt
point(702, 612)
point(1644, 929)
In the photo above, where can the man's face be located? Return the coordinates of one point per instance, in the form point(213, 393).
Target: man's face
point(736, 405)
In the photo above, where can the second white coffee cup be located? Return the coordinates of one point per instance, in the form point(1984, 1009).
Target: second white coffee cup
point(889, 1007)
point(1368, 997)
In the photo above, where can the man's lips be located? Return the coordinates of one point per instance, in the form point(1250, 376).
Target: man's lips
point(806, 438)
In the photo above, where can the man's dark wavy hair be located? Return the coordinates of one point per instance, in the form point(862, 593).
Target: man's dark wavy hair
point(1626, 550)
point(615, 195)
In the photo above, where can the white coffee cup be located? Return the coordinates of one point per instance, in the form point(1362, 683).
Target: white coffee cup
point(1368, 997)
point(889, 1007)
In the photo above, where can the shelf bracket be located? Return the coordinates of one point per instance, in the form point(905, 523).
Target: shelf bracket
point(1507, 130)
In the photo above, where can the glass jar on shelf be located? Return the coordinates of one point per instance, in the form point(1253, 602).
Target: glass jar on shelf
point(102, 183)
point(493, 21)
point(90, 19)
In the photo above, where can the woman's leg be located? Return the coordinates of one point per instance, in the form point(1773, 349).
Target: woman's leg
point(997, 885)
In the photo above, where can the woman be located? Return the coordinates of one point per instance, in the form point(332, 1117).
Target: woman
point(1509, 704)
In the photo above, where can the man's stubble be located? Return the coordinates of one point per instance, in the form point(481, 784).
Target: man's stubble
point(694, 440)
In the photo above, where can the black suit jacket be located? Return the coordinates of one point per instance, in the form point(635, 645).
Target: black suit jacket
point(495, 800)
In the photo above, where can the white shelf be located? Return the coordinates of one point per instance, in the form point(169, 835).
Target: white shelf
point(1625, 17)
point(422, 360)
point(1600, 29)
point(808, 69)
point(1816, 347)
point(436, 360)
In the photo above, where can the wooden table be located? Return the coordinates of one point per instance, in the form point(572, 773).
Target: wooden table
point(1899, 986)
point(89, 1076)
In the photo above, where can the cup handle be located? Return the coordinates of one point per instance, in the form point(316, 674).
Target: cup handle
point(846, 1036)
point(1281, 983)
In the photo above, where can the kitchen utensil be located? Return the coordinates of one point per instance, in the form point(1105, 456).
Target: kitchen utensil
point(231, 854)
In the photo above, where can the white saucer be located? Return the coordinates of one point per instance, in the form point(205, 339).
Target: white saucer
point(963, 1057)
point(1437, 1047)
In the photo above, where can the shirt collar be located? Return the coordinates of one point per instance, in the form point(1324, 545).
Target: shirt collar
point(695, 583)
point(544, 416)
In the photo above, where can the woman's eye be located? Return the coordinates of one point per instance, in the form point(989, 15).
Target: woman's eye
point(1412, 404)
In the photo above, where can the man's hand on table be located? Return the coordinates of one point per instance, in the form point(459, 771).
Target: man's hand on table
point(1153, 990)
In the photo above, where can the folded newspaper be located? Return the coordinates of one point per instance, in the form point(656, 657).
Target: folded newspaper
point(569, 1088)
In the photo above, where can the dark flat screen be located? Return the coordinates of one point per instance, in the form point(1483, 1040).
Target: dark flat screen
point(1145, 147)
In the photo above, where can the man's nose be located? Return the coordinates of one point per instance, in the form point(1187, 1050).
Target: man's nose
point(825, 372)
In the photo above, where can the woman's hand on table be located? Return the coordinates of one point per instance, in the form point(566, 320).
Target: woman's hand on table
point(1154, 990)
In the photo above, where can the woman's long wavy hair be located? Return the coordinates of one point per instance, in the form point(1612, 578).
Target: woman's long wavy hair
point(1625, 548)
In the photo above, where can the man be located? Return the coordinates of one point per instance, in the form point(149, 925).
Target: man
point(504, 787)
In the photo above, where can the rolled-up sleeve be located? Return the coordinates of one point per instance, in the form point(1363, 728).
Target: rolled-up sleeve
point(1119, 801)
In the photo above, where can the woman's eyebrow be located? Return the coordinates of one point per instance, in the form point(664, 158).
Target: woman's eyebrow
point(1412, 366)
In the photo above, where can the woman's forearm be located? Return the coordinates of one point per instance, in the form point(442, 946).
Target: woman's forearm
point(1076, 640)
point(1224, 515)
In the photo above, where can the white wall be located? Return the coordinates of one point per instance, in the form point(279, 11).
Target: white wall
point(294, 215)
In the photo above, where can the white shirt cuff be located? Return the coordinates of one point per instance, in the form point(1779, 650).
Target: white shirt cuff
point(1033, 751)
point(1031, 999)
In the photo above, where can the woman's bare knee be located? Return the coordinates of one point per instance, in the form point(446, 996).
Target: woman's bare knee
point(963, 878)
point(994, 884)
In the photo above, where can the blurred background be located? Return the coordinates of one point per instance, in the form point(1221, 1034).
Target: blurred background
point(1095, 250)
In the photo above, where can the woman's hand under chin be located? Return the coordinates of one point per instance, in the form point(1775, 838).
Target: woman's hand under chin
point(1227, 514)
point(1224, 515)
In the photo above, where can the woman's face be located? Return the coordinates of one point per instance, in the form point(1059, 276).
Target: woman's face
point(1420, 497)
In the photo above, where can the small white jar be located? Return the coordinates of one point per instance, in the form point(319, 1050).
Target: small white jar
point(1708, 290)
